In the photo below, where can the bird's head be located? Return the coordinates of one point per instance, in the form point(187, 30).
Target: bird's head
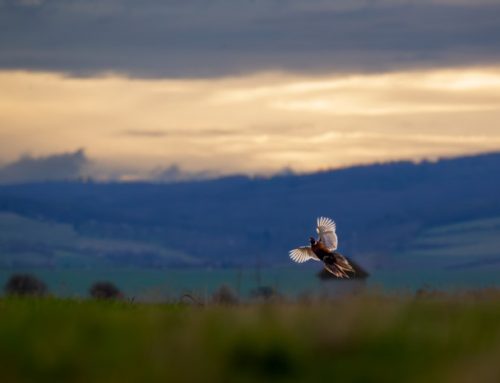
point(312, 240)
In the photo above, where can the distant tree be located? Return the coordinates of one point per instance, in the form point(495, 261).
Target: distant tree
point(105, 290)
point(225, 295)
point(25, 285)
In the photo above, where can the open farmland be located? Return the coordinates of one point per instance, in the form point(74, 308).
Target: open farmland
point(431, 338)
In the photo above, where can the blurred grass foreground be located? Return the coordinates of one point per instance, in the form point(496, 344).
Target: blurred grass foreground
point(423, 338)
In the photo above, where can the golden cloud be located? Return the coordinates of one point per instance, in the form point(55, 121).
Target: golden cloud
point(253, 123)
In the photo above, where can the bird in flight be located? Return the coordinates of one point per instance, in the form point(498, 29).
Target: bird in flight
point(324, 249)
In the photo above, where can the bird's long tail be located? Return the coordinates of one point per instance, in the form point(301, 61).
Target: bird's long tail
point(336, 270)
point(341, 267)
point(359, 272)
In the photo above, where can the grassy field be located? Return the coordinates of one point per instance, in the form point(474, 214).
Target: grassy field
point(293, 280)
point(430, 338)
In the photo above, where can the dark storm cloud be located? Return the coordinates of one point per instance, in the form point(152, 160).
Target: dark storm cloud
point(209, 38)
point(65, 166)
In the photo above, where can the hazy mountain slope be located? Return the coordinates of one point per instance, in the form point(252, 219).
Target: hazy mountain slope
point(237, 220)
point(26, 242)
point(463, 245)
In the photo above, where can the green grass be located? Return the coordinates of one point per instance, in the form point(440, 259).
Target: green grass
point(356, 339)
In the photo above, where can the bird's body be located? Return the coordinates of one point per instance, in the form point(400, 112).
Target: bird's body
point(324, 249)
point(320, 250)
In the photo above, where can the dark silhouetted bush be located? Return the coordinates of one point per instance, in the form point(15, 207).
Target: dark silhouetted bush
point(225, 295)
point(25, 285)
point(105, 290)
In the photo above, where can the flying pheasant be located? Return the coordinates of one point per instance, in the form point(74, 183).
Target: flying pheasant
point(324, 249)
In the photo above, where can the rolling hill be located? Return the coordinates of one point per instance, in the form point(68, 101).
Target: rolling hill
point(380, 210)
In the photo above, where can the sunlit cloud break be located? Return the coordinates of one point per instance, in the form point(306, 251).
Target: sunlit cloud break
point(257, 123)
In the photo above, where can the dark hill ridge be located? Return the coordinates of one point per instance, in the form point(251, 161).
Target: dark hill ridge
point(237, 220)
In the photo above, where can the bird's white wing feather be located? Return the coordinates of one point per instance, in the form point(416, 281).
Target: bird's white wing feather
point(326, 231)
point(302, 254)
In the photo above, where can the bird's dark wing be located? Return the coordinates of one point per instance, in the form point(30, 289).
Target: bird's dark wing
point(325, 228)
point(302, 254)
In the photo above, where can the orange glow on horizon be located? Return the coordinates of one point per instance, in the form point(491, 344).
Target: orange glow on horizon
point(255, 123)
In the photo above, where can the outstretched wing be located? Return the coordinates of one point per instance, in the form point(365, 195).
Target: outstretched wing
point(326, 230)
point(302, 254)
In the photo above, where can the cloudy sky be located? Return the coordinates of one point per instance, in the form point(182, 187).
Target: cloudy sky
point(247, 85)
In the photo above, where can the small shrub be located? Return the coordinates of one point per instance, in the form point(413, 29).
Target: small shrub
point(225, 296)
point(25, 285)
point(105, 290)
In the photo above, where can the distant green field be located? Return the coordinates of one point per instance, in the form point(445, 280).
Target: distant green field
point(155, 285)
point(355, 339)
point(294, 280)
point(463, 255)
